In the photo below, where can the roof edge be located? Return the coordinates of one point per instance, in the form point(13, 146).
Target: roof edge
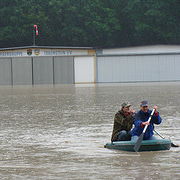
point(46, 47)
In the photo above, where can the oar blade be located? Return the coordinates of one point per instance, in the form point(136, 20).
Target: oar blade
point(138, 143)
point(174, 145)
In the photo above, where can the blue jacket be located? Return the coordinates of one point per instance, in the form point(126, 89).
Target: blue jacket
point(143, 117)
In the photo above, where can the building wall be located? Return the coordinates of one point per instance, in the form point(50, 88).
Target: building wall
point(21, 71)
point(42, 70)
point(63, 70)
point(138, 68)
point(84, 69)
point(21, 66)
point(5, 71)
point(46, 70)
point(34, 65)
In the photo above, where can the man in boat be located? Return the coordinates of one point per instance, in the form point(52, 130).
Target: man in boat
point(141, 120)
point(123, 122)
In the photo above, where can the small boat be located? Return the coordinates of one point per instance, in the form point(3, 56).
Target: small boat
point(146, 145)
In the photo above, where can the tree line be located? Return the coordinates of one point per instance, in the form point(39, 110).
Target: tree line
point(95, 23)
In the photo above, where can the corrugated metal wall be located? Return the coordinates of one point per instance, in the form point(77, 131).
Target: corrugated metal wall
point(46, 70)
point(84, 69)
point(63, 70)
point(36, 70)
point(138, 68)
point(42, 70)
point(22, 71)
point(5, 71)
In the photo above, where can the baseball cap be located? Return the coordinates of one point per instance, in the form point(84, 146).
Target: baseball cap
point(125, 104)
point(144, 103)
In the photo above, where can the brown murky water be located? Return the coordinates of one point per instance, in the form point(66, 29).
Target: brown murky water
point(59, 132)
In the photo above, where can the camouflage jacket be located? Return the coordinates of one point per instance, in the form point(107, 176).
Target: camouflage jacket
point(121, 122)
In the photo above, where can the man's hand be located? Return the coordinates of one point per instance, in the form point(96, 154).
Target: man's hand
point(132, 111)
point(145, 123)
point(155, 107)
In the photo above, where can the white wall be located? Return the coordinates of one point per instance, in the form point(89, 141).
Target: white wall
point(84, 69)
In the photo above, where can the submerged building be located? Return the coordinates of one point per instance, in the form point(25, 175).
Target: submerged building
point(47, 65)
point(33, 65)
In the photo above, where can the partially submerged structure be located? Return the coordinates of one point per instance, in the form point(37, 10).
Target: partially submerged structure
point(32, 65)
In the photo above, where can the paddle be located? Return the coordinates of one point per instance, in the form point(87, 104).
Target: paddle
point(172, 144)
point(138, 143)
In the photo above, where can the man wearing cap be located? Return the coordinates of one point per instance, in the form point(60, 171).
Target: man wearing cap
point(141, 120)
point(123, 122)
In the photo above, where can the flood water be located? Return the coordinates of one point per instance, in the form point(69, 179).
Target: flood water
point(49, 133)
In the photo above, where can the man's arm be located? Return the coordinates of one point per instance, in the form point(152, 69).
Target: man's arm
point(156, 119)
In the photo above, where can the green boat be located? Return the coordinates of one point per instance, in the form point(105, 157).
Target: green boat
point(146, 145)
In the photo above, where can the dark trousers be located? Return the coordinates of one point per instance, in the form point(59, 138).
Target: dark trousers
point(124, 136)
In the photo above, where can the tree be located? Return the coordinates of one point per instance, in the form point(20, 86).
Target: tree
point(97, 23)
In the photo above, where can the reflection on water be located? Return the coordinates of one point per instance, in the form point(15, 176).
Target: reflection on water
point(59, 132)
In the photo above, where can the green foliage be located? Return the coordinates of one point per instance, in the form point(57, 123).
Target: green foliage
point(97, 23)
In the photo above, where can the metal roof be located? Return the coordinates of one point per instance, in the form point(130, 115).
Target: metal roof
point(46, 47)
point(141, 50)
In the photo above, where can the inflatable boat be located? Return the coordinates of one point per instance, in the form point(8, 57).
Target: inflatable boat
point(146, 145)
